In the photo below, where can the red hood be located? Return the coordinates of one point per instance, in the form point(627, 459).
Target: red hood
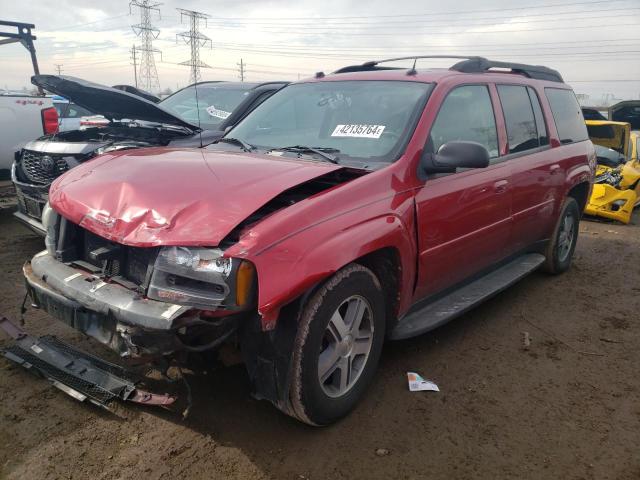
point(162, 196)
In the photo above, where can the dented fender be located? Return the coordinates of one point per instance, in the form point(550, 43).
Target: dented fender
point(291, 267)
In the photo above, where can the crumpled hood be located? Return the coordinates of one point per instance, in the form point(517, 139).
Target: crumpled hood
point(162, 196)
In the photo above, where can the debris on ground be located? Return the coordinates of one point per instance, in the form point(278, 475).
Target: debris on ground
point(419, 384)
point(526, 340)
point(382, 452)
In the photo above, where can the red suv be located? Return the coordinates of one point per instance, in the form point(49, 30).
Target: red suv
point(373, 203)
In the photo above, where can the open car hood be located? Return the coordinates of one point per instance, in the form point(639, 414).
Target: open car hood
point(112, 103)
point(165, 196)
point(614, 135)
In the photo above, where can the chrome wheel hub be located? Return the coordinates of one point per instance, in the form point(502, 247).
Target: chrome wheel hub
point(566, 237)
point(346, 345)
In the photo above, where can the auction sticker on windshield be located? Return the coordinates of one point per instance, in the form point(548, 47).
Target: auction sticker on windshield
point(358, 131)
point(214, 112)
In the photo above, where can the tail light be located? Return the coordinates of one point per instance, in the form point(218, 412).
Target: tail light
point(49, 120)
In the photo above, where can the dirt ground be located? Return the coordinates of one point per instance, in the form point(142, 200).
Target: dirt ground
point(567, 408)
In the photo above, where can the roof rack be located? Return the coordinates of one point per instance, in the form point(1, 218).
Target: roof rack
point(469, 64)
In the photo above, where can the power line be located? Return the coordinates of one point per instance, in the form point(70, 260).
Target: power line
point(58, 68)
point(427, 23)
point(195, 40)
point(342, 33)
point(68, 27)
point(456, 12)
point(148, 75)
point(387, 48)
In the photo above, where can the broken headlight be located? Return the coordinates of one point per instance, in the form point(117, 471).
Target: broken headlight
point(200, 277)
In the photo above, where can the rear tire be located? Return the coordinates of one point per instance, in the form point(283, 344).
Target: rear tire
point(338, 344)
point(564, 239)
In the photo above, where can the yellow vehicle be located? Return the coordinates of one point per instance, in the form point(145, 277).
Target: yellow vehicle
point(616, 189)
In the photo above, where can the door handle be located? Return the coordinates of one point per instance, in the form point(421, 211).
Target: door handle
point(555, 168)
point(500, 186)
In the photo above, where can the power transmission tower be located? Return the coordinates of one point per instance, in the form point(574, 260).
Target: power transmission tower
point(242, 66)
point(135, 65)
point(148, 75)
point(195, 40)
point(58, 68)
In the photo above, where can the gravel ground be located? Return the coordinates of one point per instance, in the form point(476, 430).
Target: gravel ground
point(568, 407)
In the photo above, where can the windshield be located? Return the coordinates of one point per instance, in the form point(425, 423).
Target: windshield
point(215, 104)
point(370, 121)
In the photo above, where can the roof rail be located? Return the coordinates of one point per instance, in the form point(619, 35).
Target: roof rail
point(481, 64)
point(469, 64)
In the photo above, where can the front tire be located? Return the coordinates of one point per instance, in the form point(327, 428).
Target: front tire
point(565, 237)
point(338, 344)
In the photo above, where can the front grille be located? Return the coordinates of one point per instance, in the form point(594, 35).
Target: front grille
point(30, 206)
point(123, 262)
point(42, 168)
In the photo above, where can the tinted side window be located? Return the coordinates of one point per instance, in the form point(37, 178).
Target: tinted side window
point(543, 137)
point(567, 115)
point(466, 114)
point(522, 133)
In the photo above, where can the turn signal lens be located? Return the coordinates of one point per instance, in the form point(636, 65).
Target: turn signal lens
point(244, 282)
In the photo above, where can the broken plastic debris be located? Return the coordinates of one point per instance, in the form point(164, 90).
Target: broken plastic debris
point(419, 384)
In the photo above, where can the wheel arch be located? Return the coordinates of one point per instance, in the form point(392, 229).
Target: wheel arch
point(384, 244)
point(580, 193)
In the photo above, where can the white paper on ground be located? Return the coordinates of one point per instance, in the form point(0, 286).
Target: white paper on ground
point(419, 384)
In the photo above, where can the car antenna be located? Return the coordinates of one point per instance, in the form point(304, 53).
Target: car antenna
point(412, 70)
point(195, 87)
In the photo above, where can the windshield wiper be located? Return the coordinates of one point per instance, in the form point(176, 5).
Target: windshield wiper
point(324, 152)
point(247, 147)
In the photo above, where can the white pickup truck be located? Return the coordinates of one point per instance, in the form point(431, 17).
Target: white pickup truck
point(23, 118)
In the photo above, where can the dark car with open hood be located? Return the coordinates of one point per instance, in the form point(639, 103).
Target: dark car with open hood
point(192, 117)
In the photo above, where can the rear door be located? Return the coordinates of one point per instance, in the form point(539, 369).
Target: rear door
point(537, 175)
point(463, 218)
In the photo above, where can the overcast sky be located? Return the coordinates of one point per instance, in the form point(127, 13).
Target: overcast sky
point(594, 44)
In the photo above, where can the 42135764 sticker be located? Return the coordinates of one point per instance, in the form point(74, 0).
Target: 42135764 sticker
point(214, 112)
point(358, 131)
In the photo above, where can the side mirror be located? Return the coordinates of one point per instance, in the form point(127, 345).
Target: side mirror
point(454, 155)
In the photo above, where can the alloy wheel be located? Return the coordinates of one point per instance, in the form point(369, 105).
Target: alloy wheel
point(346, 345)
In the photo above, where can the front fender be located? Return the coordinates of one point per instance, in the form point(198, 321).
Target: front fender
point(290, 268)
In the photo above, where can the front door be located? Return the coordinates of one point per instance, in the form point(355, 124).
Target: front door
point(463, 218)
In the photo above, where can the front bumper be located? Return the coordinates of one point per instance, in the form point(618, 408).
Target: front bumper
point(31, 201)
point(601, 203)
point(118, 317)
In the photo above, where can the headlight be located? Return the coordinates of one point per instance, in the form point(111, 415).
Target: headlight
point(201, 277)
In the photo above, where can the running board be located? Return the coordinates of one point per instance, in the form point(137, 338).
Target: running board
point(459, 301)
point(77, 373)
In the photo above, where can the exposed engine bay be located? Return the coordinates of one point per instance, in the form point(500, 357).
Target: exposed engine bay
point(119, 131)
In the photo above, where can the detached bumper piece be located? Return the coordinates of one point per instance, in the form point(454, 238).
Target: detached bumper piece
point(609, 202)
point(78, 374)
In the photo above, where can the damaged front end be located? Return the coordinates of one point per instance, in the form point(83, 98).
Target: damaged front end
point(144, 303)
point(608, 198)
